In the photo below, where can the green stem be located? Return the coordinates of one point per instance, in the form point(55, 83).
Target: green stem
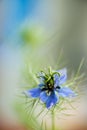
point(53, 121)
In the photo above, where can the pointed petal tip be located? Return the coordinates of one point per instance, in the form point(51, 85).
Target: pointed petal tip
point(34, 92)
point(63, 75)
point(67, 92)
point(49, 107)
point(64, 70)
point(52, 100)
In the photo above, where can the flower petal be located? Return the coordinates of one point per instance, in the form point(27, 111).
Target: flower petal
point(56, 80)
point(43, 96)
point(41, 77)
point(52, 100)
point(66, 92)
point(35, 92)
point(63, 76)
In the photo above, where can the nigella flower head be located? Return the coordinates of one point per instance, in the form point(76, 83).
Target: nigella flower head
point(51, 88)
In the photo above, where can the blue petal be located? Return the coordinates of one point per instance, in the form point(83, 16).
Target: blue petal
point(56, 80)
point(35, 92)
point(43, 96)
point(63, 76)
point(41, 77)
point(52, 100)
point(66, 92)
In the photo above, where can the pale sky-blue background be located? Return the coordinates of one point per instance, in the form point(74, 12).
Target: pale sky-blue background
point(13, 13)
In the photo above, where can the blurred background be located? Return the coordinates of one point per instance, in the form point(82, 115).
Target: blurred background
point(40, 34)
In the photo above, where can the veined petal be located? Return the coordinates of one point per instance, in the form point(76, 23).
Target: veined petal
point(52, 100)
point(34, 92)
point(41, 77)
point(66, 92)
point(43, 96)
point(56, 80)
point(63, 76)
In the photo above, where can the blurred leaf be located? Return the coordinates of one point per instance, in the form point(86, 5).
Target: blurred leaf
point(33, 35)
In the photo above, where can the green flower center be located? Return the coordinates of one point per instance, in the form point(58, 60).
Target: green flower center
point(50, 84)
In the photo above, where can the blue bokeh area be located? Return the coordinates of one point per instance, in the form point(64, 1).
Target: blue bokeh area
point(15, 12)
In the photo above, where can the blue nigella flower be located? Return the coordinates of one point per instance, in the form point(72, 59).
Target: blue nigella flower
point(51, 88)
